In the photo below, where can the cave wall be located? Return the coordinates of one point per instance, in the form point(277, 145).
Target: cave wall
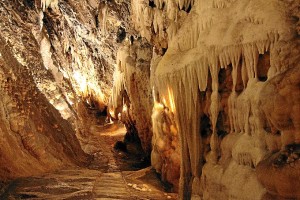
point(224, 69)
point(34, 136)
point(131, 94)
point(57, 61)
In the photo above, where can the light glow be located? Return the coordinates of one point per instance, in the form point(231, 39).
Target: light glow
point(153, 94)
point(158, 105)
point(88, 87)
point(171, 99)
point(81, 80)
point(124, 108)
point(112, 113)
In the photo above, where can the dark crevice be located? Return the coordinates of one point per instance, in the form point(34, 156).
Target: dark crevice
point(263, 66)
point(239, 82)
point(29, 3)
point(97, 21)
point(188, 10)
point(121, 34)
point(164, 50)
point(205, 127)
point(225, 79)
point(152, 4)
point(131, 145)
point(205, 131)
point(163, 5)
point(222, 130)
point(209, 83)
point(262, 78)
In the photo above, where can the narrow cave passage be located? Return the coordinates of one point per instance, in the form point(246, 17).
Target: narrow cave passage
point(149, 99)
point(116, 169)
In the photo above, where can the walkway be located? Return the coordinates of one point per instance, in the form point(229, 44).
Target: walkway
point(108, 177)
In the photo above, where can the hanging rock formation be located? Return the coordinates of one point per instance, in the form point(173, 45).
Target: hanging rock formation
point(131, 96)
point(225, 60)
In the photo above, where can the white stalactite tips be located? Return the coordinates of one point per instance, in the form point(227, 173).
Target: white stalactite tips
point(49, 3)
point(210, 39)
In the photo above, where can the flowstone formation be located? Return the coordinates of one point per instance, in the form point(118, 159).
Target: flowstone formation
point(131, 99)
point(165, 155)
point(227, 71)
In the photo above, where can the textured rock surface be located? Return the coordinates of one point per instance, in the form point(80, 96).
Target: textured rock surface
point(34, 136)
point(165, 155)
point(279, 173)
point(280, 103)
point(225, 60)
point(56, 60)
point(132, 92)
point(219, 80)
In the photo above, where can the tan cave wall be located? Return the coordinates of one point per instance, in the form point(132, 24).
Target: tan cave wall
point(56, 63)
point(131, 99)
point(225, 83)
point(34, 136)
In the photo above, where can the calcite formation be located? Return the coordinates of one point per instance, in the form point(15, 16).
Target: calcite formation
point(165, 155)
point(224, 62)
point(131, 94)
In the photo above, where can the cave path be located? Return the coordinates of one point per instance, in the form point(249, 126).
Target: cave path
point(107, 177)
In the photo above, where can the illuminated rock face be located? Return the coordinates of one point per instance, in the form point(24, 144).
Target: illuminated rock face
point(165, 156)
point(279, 171)
point(228, 76)
point(56, 59)
point(34, 136)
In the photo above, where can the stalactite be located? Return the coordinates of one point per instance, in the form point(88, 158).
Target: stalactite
point(184, 69)
point(46, 3)
point(132, 88)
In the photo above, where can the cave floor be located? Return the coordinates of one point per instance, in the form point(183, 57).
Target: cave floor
point(110, 175)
